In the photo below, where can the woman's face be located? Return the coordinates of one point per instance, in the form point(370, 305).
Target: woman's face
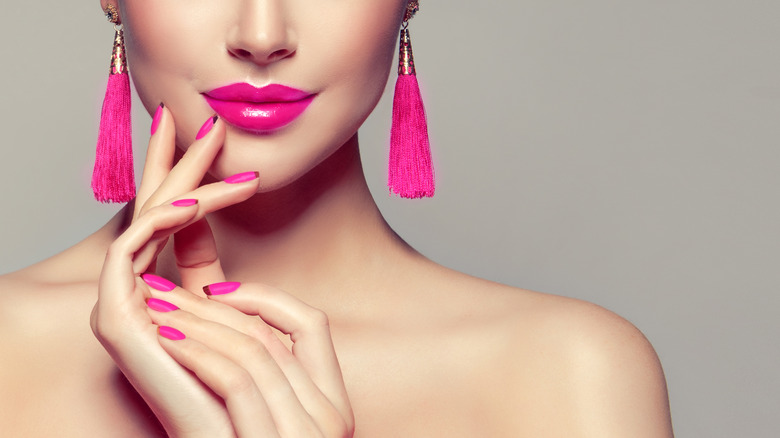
point(337, 54)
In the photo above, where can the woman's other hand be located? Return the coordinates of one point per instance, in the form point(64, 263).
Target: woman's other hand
point(229, 342)
point(120, 319)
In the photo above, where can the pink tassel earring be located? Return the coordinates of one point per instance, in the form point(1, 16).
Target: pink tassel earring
point(113, 179)
point(410, 172)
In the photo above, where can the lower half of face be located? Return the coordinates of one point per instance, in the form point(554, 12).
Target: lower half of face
point(327, 63)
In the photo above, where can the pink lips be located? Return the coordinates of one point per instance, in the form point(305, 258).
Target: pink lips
point(258, 110)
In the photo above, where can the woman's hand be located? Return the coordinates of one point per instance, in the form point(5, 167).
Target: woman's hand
point(120, 321)
point(261, 387)
point(268, 389)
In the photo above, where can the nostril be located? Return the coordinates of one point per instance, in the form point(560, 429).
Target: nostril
point(279, 54)
point(249, 55)
point(241, 53)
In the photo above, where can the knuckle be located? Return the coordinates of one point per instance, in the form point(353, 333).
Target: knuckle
point(116, 248)
point(103, 331)
point(145, 207)
point(238, 382)
point(348, 426)
point(303, 429)
point(317, 319)
point(93, 322)
point(260, 331)
point(337, 426)
point(152, 215)
point(252, 351)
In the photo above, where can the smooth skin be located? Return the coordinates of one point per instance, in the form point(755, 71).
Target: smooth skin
point(338, 327)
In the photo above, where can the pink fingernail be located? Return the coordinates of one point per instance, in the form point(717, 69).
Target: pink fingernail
point(170, 333)
point(221, 288)
point(242, 177)
point(160, 305)
point(184, 202)
point(157, 282)
point(206, 128)
point(157, 117)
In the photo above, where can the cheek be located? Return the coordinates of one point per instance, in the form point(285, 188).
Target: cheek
point(356, 57)
point(165, 47)
point(363, 48)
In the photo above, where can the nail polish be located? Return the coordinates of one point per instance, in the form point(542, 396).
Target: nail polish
point(160, 305)
point(206, 128)
point(242, 177)
point(184, 202)
point(221, 288)
point(170, 333)
point(158, 283)
point(157, 118)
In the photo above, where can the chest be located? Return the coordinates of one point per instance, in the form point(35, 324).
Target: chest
point(415, 389)
point(398, 387)
point(385, 404)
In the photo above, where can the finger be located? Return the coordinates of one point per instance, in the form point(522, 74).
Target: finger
point(249, 368)
point(159, 157)
point(196, 257)
point(164, 217)
point(187, 174)
point(210, 197)
point(320, 408)
point(308, 328)
point(248, 411)
point(117, 283)
point(146, 232)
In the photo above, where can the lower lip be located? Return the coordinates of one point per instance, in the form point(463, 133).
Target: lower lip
point(259, 117)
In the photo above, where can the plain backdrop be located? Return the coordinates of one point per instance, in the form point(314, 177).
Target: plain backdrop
point(620, 152)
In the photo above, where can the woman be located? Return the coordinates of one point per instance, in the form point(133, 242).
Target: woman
point(386, 342)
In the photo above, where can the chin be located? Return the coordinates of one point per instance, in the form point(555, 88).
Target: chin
point(282, 159)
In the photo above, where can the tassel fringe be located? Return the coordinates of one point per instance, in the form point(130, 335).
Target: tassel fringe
point(411, 168)
point(113, 178)
point(410, 173)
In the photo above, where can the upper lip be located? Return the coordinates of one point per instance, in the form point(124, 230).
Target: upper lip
point(243, 92)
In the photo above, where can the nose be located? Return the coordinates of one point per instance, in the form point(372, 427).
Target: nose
point(262, 33)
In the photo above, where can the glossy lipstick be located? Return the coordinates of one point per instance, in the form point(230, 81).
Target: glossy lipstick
point(258, 110)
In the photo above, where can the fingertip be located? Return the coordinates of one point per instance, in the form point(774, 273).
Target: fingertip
point(160, 152)
point(184, 202)
point(221, 288)
point(242, 177)
point(160, 305)
point(170, 333)
point(157, 117)
point(207, 126)
point(158, 283)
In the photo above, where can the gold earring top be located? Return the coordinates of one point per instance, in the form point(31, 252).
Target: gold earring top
point(411, 8)
point(112, 14)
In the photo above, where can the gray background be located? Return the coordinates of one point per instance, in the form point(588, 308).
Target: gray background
point(620, 152)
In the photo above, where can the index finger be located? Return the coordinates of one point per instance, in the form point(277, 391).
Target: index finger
point(159, 157)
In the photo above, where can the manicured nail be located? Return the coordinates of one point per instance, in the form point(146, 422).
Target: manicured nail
point(221, 288)
point(160, 305)
point(184, 202)
point(242, 177)
point(159, 283)
point(206, 128)
point(157, 117)
point(170, 333)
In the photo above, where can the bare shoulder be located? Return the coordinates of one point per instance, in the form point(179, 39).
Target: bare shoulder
point(36, 311)
point(43, 305)
point(49, 291)
point(559, 366)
